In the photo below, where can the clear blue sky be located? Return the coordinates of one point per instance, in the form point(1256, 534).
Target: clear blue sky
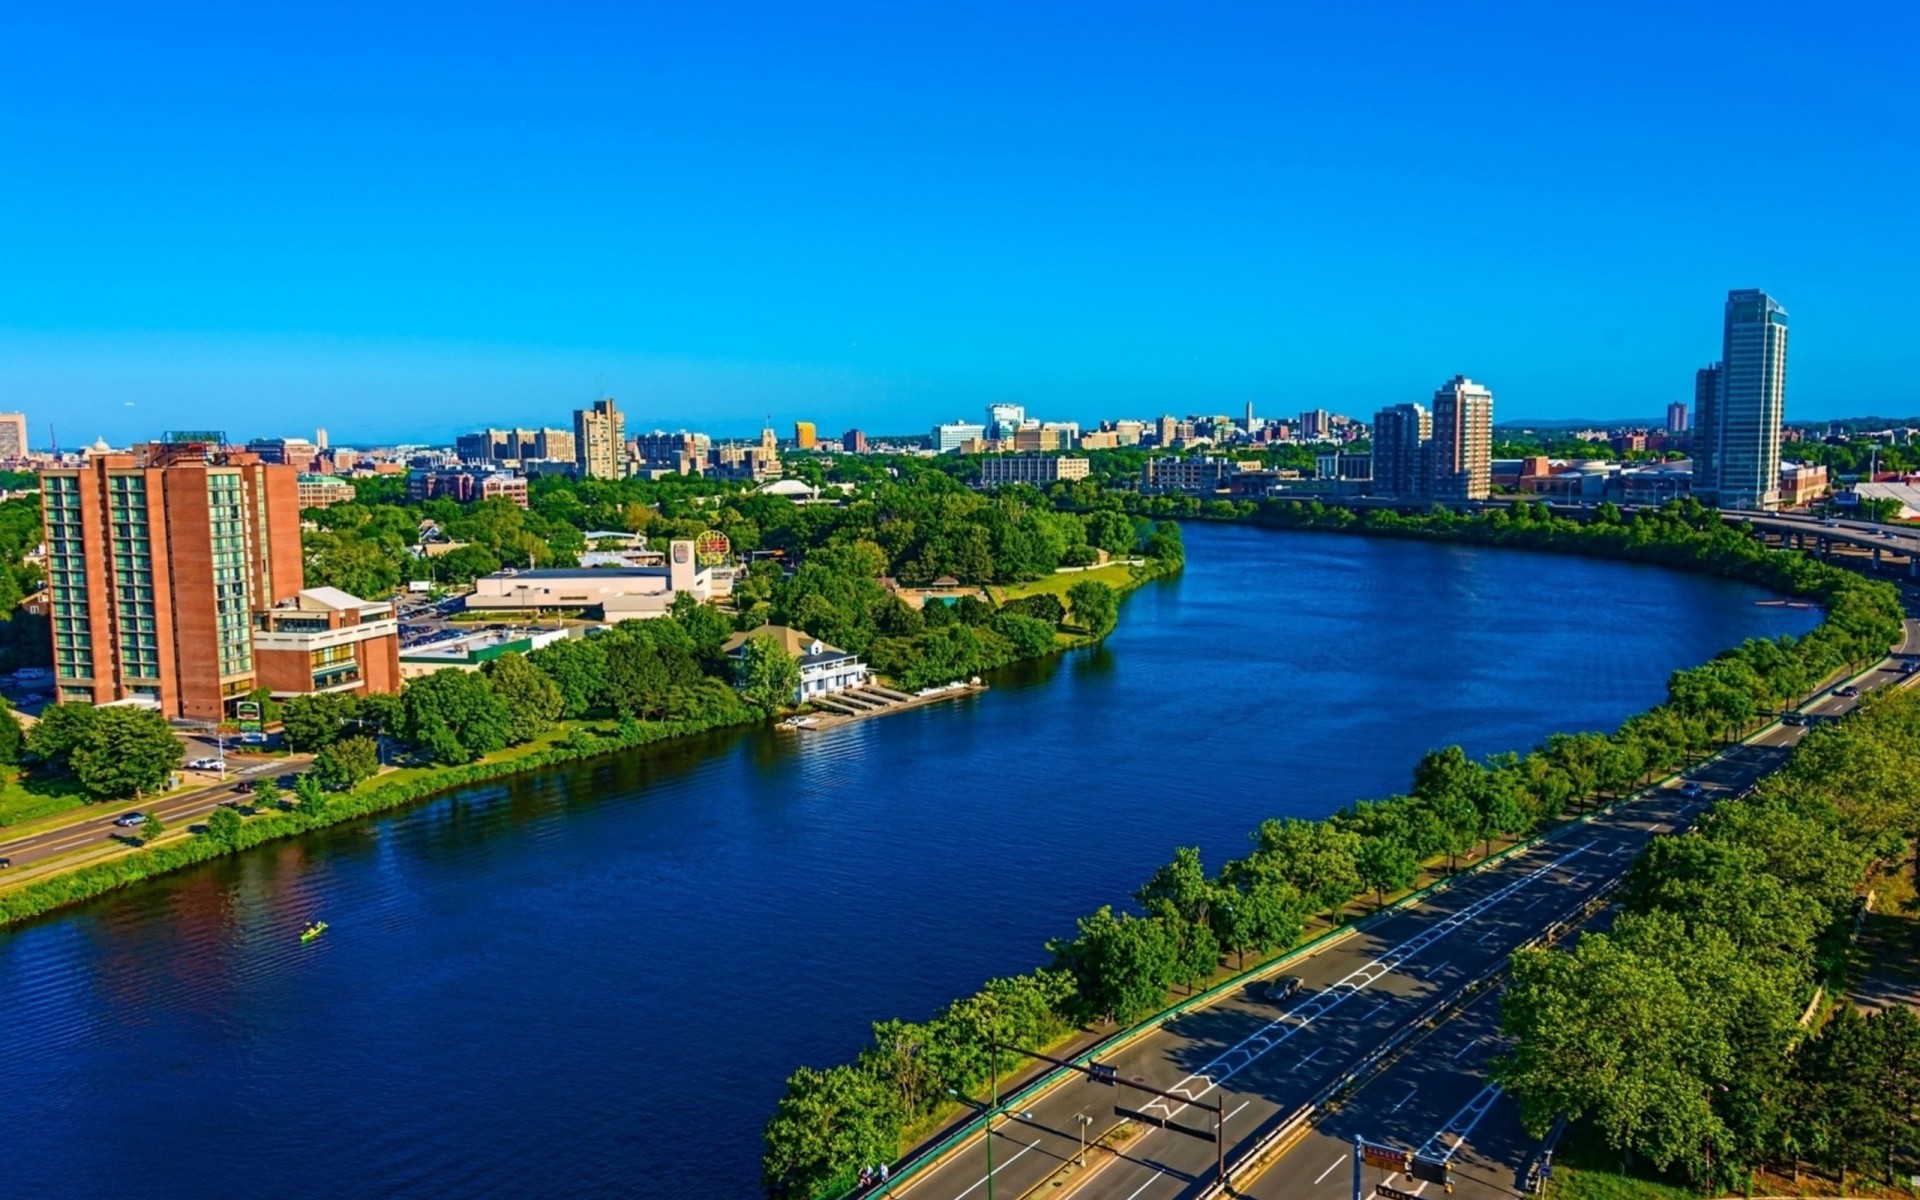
point(403, 220)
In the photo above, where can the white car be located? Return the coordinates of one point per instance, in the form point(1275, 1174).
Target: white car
point(207, 764)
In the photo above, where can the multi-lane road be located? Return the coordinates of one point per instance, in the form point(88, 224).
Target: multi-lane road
point(1263, 1062)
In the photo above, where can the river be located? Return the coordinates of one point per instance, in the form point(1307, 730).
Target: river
point(593, 981)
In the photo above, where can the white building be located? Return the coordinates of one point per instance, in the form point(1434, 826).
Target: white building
point(947, 438)
point(617, 593)
point(824, 669)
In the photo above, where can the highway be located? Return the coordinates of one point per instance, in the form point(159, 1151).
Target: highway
point(1266, 1061)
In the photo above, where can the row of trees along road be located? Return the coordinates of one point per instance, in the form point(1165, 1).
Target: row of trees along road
point(1123, 963)
point(1675, 1035)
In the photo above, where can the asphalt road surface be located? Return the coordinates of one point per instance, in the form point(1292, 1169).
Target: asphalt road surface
point(1266, 1061)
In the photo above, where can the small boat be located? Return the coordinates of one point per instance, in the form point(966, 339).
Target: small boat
point(313, 930)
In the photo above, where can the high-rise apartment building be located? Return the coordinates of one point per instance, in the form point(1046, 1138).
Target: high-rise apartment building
point(680, 453)
point(157, 563)
point(1315, 424)
point(1402, 436)
point(13, 437)
point(1462, 454)
point(600, 441)
point(1677, 417)
point(805, 435)
point(1738, 406)
point(854, 441)
point(1003, 419)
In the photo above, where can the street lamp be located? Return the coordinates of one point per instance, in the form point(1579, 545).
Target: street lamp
point(1084, 1121)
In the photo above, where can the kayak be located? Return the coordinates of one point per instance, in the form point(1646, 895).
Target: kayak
point(313, 931)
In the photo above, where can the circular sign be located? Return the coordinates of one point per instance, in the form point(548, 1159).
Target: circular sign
point(711, 547)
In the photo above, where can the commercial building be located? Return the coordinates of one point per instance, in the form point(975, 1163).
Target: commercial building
point(1003, 419)
point(1462, 447)
point(1037, 469)
point(473, 651)
point(157, 563)
point(1677, 417)
point(757, 463)
point(615, 594)
point(661, 453)
point(501, 447)
point(600, 441)
point(1738, 404)
point(1402, 441)
point(947, 438)
point(1315, 425)
point(13, 437)
point(327, 640)
point(853, 441)
point(322, 491)
point(1197, 475)
point(824, 669)
point(291, 452)
point(466, 486)
point(805, 435)
point(1802, 483)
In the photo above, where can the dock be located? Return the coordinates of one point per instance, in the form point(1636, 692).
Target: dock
point(873, 700)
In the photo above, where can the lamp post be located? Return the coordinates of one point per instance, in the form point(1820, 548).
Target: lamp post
point(991, 1109)
point(1083, 1120)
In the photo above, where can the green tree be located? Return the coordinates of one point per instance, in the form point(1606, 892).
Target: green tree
point(310, 722)
point(826, 1125)
point(578, 668)
point(61, 729)
point(533, 702)
point(266, 794)
point(127, 752)
point(768, 676)
point(453, 716)
point(342, 764)
point(223, 827)
point(1386, 864)
point(1096, 607)
point(151, 828)
point(1123, 964)
point(310, 795)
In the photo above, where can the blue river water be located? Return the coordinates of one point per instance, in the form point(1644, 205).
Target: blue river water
point(593, 981)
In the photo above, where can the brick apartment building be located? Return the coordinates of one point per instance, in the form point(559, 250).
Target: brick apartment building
point(157, 562)
point(326, 640)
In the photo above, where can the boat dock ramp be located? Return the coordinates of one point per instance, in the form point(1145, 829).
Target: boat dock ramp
point(873, 700)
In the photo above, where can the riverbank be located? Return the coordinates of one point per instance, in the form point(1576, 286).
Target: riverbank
point(91, 876)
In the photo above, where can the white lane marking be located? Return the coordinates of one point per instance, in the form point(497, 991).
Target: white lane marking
point(1403, 1102)
point(1330, 1170)
point(1309, 1058)
point(1470, 1045)
point(1151, 1180)
point(1003, 1166)
point(1443, 965)
point(1470, 1112)
point(1491, 933)
point(1236, 1112)
point(1257, 1044)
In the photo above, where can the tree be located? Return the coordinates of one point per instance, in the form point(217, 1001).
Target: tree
point(1123, 964)
point(151, 828)
point(1041, 606)
point(310, 722)
point(578, 668)
point(223, 827)
point(60, 730)
point(1386, 864)
point(453, 716)
point(379, 713)
point(127, 752)
point(266, 793)
point(825, 1127)
point(310, 795)
point(769, 677)
point(344, 763)
point(13, 742)
point(533, 702)
point(1112, 532)
point(1096, 607)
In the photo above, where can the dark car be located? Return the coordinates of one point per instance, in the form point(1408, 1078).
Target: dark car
point(1849, 691)
point(1281, 990)
point(244, 787)
point(1792, 718)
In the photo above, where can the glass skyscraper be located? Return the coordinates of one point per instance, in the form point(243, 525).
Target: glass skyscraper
point(1739, 402)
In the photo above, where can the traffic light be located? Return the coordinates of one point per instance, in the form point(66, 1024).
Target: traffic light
point(1433, 1170)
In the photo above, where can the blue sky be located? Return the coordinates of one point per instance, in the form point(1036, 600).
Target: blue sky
point(407, 220)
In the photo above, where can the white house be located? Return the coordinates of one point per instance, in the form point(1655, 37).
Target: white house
point(824, 669)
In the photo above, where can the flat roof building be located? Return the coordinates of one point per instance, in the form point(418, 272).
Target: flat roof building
point(600, 441)
point(1039, 470)
point(615, 593)
point(157, 563)
point(1462, 448)
point(327, 640)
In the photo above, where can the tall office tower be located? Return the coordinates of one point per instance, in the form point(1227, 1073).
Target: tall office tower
point(600, 441)
point(805, 435)
point(1249, 426)
point(1462, 441)
point(1402, 437)
point(158, 562)
point(13, 436)
point(1738, 404)
point(854, 441)
point(1677, 417)
point(1314, 424)
point(320, 438)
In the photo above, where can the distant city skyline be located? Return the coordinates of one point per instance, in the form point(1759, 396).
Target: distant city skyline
point(886, 218)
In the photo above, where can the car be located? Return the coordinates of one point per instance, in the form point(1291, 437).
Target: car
point(1692, 787)
point(1849, 690)
point(1793, 718)
point(130, 820)
point(1281, 990)
point(5, 863)
point(207, 764)
point(244, 787)
point(1908, 668)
